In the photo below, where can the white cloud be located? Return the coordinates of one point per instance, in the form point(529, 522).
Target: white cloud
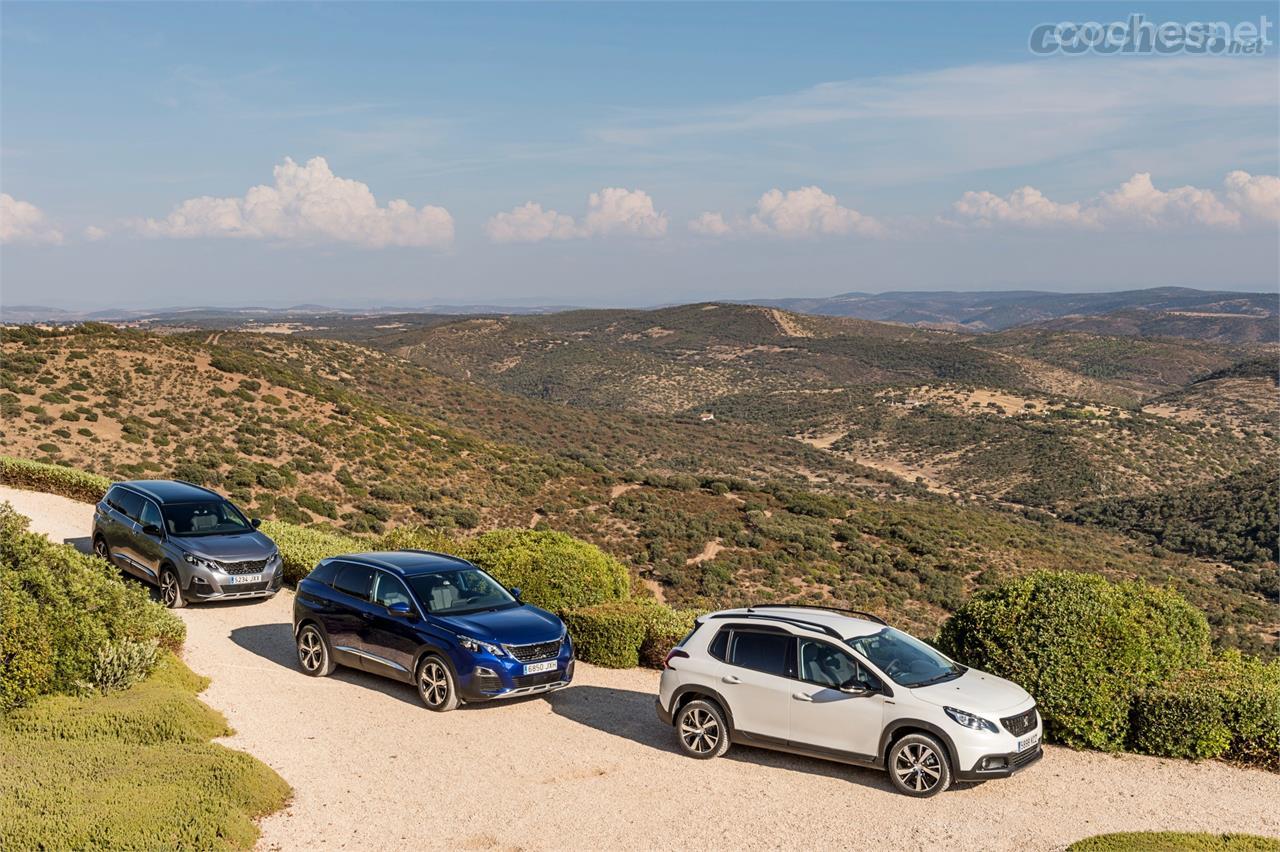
point(804, 212)
point(1135, 203)
point(93, 233)
point(23, 222)
point(710, 224)
point(611, 211)
point(307, 203)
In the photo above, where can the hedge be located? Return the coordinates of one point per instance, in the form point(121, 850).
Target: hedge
point(622, 634)
point(554, 571)
point(53, 479)
point(1084, 647)
point(63, 613)
point(1228, 708)
point(302, 547)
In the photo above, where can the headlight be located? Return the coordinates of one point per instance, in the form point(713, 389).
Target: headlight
point(476, 646)
point(197, 561)
point(969, 720)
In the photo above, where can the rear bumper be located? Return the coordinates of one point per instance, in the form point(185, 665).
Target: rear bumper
point(1001, 765)
point(663, 713)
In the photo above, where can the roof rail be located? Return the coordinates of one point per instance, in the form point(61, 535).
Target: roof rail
point(859, 613)
point(434, 553)
point(796, 622)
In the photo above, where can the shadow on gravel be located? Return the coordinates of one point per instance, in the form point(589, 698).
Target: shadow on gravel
point(631, 715)
point(82, 544)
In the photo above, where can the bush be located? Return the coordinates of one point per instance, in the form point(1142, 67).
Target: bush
point(1227, 708)
point(554, 571)
point(626, 633)
point(1174, 841)
point(53, 479)
point(664, 628)
point(417, 538)
point(122, 664)
point(302, 547)
point(1084, 647)
point(58, 608)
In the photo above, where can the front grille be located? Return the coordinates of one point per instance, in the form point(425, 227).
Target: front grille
point(253, 566)
point(537, 651)
point(1020, 724)
point(540, 679)
point(1025, 757)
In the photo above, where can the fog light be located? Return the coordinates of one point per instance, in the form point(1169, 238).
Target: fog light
point(483, 672)
point(994, 763)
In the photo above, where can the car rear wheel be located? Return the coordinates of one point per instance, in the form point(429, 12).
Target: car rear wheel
point(701, 730)
point(435, 685)
point(171, 589)
point(919, 766)
point(313, 652)
point(100, 549)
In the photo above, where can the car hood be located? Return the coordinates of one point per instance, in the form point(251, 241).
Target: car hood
point(976, 692)
point(518, 625)
point(236, 547)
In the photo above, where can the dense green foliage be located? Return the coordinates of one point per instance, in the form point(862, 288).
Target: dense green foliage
point(1083, 647)
point(1174, 841)
point(626, 633)
point(130, 770)
point(53, 479)
point(554, 571)
point(67, 622)
point(301, 547)
point(1235, 519)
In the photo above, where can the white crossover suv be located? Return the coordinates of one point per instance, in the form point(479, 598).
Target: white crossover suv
point(842, 685)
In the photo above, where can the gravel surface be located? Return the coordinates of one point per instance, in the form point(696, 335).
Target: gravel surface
point(592, 767)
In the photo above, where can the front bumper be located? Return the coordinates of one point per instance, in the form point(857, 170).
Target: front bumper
point(490, 680)
point(206, 585)
point(1001, 765)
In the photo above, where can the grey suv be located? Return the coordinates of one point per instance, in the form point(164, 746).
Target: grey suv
point(188, 540)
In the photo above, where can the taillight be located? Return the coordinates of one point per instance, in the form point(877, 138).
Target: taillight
point(676, 653)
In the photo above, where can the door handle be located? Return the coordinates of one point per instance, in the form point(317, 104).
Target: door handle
point(367, 616)
point(801, 696)
point(730, 679)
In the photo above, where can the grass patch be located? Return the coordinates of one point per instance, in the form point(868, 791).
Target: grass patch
point(1159, 841)
point(130, 770)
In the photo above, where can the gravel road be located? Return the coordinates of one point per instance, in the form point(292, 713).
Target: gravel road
point(592, 768)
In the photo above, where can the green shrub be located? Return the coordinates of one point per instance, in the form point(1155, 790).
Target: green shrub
point(417, 538)
point(1174, 841)
point(1082, 646)
point(123, 663)
point(302, 547)
point(609, 634)
point(664, 628)
point(1227, 708)
point(554, 571)
point(53, 479)
point(58, 607)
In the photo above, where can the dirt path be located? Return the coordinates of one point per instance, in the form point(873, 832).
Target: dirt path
point(591, 767)
point(711, 551)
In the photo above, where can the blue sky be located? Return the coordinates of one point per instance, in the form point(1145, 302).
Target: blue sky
point(898, 138)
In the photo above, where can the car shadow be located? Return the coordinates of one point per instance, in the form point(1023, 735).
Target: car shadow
point(83, 543)
point(631, 715)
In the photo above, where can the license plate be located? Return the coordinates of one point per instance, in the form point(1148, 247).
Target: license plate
point(535, 668)
point(1028, 742)
point(237, 579)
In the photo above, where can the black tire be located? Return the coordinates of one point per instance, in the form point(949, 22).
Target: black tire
point(101, 550)
point(171, 588)
point(435, 683)
point(919, 766)
point(313, 652)
point(701, 729)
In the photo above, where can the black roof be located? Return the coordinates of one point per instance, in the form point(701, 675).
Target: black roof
point(408, 562)
point(170, 490)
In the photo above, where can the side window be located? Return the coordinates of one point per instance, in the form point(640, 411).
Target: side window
point(827, 665)
point(325, 572)
point(354, 580)
point(388, 590)
point(129, 504)
point(150, 515)
point(720, 645)
point(764, 652)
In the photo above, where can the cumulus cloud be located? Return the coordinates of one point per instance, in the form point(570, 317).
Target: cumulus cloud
point(804, 212)
point(93, 233)
point(611, 211)
point(1135, 203)
point(23, 222)
point(307, 203)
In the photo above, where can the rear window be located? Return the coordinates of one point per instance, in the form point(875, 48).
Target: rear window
point(719, 645)
point(324, 573)
point(125, 502)
point(763, 652)
point(354, 580)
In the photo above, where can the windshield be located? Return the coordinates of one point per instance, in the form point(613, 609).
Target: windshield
point(905, 659)
point(460, 592)
point(207, 517)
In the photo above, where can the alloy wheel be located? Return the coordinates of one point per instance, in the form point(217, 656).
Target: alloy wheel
point(918, 767)
point(100, 549)
point(310, 651)
point(699, 731)
point(168, 588)
point(435, 683)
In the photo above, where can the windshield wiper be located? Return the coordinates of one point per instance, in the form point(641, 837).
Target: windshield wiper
point(943, 678)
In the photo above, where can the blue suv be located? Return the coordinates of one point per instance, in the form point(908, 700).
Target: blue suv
point(432, 620)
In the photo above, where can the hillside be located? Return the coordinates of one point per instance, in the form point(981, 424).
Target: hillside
point(319, 431)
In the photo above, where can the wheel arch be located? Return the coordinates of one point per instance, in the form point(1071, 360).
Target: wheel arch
point(900, 728)
point(692, 692)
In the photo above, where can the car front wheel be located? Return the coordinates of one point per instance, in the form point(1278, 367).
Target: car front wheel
point(701, 730)
point(171, 589)
point(435, 685)
point(919, 766)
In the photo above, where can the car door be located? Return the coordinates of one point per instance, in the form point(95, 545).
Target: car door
point(126, 533)
point(389, 639)
point(823, 716)
point(756, 681)
point(147, 546)
point(344, 618)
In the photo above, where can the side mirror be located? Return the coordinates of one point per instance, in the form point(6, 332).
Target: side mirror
point(857, 689)
point(516, 592)
point(255, 522)
point(153, 531)
point(400, 609)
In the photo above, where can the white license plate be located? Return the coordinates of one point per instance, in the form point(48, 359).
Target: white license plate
point(237, 579)
point(535, 668)
point(1028, 742)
